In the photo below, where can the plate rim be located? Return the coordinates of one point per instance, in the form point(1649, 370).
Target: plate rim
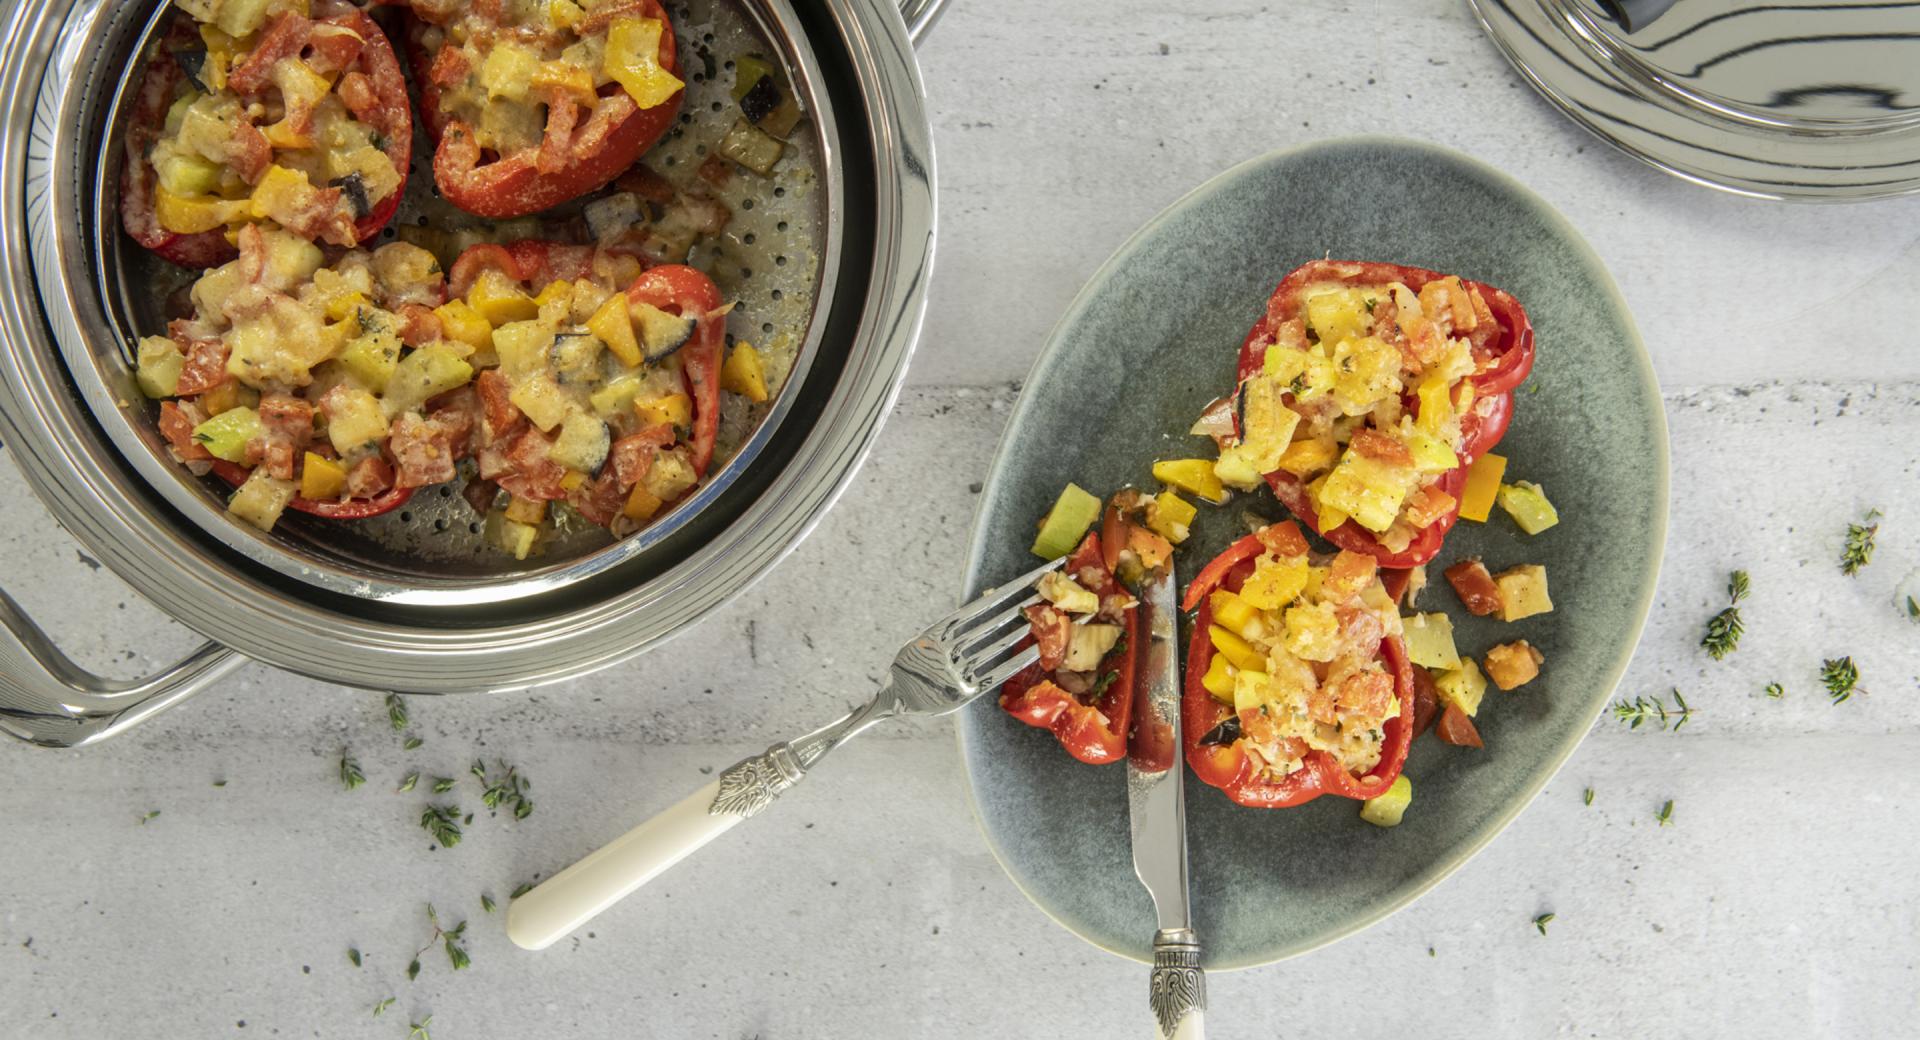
point(1430, 877)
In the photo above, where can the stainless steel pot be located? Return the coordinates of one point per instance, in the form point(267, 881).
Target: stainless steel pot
point(299, 600)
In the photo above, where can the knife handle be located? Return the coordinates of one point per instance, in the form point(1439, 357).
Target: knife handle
point(1179, 991)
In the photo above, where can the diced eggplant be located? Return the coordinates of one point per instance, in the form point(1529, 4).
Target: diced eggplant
point(1224, 734)
point(661, 334)
point(613, 216)
point(354, 188)
point(193, 62)
point(575, 358)
point(758, 102)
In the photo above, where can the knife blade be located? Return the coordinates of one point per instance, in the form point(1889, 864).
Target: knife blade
point(1156, 803)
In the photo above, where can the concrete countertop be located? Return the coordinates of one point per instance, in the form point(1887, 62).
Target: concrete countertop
point(1778, 904)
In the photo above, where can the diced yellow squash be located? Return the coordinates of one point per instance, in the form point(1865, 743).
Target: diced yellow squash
point(158, 366)
point(1430, 453)
point(555, 292)
point(500, 300)
point(508, 70)
point(542, 401)
point(1523, 592)
point(1328, 515)
point(1238, 651)
point(228, 396)
point(614, 326)
point(1275, 583)
point(372, 357)
point(1515, 664)
point(189, 175)
point(1436, 406)
point(1235, 468)
point(424, 374)
point(321, 478)
point(1313, 632)
point(461, 322)
point(563, 13)
point(1367, 373)
point(1252, 690)
point(642, 504)
point(1267, 422)
point(1194, 476)
point(1389, 807)
point(670, 476)
point(1483, 484)
point(744, 373)
point(1528, 506)
point(512, 536)
point(261, 500)
point(283, 194)
point(526, 510)
point(1462, 687)
point(1305, 458)
point(354, 419)
point(1336, 315)
point(671, 409)
point(1219, 679)
point(565, 77)
point(1429, 641)
point(1231, 612)
point(522, 348)
point(291, 261)
point(633, 61)
point(1171, 517)
point(1366, 489)
point(192, 214)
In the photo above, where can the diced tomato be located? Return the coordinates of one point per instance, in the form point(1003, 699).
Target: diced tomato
point(1457, 728)
point(205, 368)
point(177, 420)
point(1051, 630)
point(1475, 587)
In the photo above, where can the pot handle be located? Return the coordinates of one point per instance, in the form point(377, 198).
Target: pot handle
point(920, 16)
point(48, 700)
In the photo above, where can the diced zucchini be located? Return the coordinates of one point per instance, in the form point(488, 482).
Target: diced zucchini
point(189, 175)
point(1088, 645)
point(508, 70)
point(617, 395)
point(1523, 592)
point(1235, 469)
point(1390, 807)
point(1266, 423)
point(1483, 484)
point(1528, 506)
point(756, 86)
point(321, 478)
point(660, 333)
point(1430, 454)
point(744, 373)
point(674, 409)
point(633, 61)
point(426, 373)
point(614, 326)
point(261, 500)
point(1429, 641)
point(1063, 592)
point(1073, 512)
point(354, 419)
point(582, 444)
point(522, 347)
point(1336, 315)
point(158, 366)
point(226, 436)
point(1313, 631)
point(1238, 651)
point(1194, 476)
point(575, 358)
point(371, 357)
point(670, 476)
point(1366, 489)
point(1366, 373)
point(542, 401)
point(751, 147)
point(1462, 687)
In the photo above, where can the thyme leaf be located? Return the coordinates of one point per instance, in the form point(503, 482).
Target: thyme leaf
point(396, 712)
point(1841, 676)
point(1724, 629)
point(1653, 709)
point(1665, 815)
point(1542, 922)
point(350, 774)
point(443, 822)
point(1860, 538)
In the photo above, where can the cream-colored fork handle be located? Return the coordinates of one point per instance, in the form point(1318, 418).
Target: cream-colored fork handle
point(574, 896)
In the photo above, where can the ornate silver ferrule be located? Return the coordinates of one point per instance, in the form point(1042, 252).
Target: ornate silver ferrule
point(751, 784)
point(1179, 986)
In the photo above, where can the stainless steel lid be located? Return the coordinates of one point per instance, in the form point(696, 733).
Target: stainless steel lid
point(340, 614)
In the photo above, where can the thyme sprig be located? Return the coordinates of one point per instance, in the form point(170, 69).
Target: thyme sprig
point(381, 1008)
point(449, 938)
point(1542, 922)
point(396, 712)
point(350, 774)
point(1653, 709)
point(1860, 538)
point(443, 822)
point(418, 1030)
point(407, 782)
point(1841, 677)
point(1665, 815)
point(1776, 691)
point(510, 789)
point(1724, 629)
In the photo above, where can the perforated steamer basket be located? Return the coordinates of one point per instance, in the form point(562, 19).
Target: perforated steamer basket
point(832, 258)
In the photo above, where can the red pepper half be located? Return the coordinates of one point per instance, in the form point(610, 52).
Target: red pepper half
point(349, 509)
point(379, 100)
point(1094, 733)
point(570, 160)
point(1228, 766)
point(1503, 363)
point(674, 288)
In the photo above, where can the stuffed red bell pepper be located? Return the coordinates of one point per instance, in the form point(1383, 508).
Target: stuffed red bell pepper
point(603, 388)
point(530, 105)
point(257, 116)
point(326, 389)
point(1365, 392)
point(1297, 682)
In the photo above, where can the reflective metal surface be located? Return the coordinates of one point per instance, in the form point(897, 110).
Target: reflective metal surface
point(462, 643)
point(1806, 101)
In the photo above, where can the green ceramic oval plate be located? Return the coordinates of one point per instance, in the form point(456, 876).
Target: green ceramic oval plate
point(1149, 341)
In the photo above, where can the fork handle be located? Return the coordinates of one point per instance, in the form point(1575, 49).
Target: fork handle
point(577, 894)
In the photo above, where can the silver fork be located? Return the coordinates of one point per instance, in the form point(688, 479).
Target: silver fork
point(958, 658)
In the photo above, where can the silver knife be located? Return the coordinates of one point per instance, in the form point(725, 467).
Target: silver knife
point(1158, 805)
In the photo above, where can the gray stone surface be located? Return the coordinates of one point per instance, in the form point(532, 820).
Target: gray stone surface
point(1778, 904)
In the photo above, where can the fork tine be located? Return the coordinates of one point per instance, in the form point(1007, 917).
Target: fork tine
point(1019, 663)
point(987, 603)
point(979, 656)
